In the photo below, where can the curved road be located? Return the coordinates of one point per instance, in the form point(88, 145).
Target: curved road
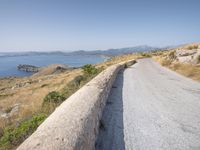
point(151, 108)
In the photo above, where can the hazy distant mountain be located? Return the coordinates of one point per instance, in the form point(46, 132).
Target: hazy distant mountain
point(118, 51)
point(109, 52)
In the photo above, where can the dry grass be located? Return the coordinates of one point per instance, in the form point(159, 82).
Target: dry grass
point(189, 70)
point(190, 46)
point(118, 59)
point(167, 58)
point(29, 96)
point(31, 99)
point(29, 92)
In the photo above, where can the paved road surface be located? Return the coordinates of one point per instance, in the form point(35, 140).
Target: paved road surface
point(151, 108)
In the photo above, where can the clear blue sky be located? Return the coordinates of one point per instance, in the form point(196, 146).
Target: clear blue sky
point(27, 25)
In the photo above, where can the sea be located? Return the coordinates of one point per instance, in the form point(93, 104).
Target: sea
point(9, 63)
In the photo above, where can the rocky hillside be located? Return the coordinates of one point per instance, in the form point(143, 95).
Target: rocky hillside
point(184, 60)
point(53, 69)
point(188, 54)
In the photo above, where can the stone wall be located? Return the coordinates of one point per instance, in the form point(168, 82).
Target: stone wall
point(74, 125)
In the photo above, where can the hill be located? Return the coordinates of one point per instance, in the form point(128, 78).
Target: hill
point(108, 52)
point(184, 60)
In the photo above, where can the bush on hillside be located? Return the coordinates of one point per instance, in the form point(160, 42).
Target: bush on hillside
point(54, 97)
point(89, 70)
point(198, 59)
point(13, 135)
point(76, 81)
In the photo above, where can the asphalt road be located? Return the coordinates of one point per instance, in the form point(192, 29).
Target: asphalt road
point(151, 108)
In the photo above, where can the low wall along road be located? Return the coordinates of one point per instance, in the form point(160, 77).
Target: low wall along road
point(75, 123)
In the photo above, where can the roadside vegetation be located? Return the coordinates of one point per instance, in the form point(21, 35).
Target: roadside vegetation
point(55, 98)
point(191, 47)
point(26, 102)
point(198, 59)
point(169, 59)
point(146, 55)
point(186, 69)
point(12, 135)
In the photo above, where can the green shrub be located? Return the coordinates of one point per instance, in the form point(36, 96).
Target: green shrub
point(54, 97)
point(14, 135)
point(73, 85)
point(76, 81)
point(89, 69)
point(198, 59)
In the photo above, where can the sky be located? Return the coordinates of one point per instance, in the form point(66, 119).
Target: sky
point(48, 25)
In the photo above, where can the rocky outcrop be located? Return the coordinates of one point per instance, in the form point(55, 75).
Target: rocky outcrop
point(10, 112)
point(28, 68)
point(53, 69)
point(75, 123)
point(62, 68)
point(188, 56)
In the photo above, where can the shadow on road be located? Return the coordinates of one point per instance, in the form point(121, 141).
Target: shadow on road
point(111, 134)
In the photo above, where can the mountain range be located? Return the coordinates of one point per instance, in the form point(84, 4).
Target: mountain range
point(108, 52)
point(118, 51)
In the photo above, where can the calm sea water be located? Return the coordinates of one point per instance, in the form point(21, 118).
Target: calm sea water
point(8, 65)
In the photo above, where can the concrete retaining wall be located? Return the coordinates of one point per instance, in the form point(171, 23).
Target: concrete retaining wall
point(74, 125)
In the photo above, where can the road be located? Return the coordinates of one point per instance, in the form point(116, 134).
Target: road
point(151, 108)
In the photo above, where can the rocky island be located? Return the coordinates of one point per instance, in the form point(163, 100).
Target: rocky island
point(28, 68)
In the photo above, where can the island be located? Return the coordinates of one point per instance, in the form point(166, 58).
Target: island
point(28, 68)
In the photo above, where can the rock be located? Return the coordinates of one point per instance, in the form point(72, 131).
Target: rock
point(53, 69)
point(182, 53)
point(61, 69)
point(13, 110)
point(188, 56)
point(4, 115)
point(28, 68)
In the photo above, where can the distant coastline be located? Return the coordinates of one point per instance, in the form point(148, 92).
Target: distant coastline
point(10, 60)
point(9, 64)
point(108, 52)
